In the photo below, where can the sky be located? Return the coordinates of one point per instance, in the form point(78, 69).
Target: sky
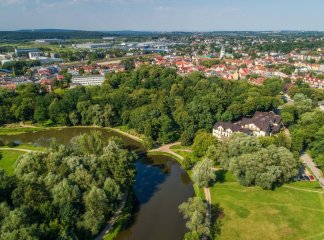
point(163, 15)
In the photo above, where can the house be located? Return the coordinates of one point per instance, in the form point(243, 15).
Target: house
point(225, 129)
point(261, 124)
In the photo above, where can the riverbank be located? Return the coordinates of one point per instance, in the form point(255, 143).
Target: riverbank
point(14, 129)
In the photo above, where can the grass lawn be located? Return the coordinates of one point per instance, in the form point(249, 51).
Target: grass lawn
point(8, 159)
point(184, 151)
point(294, 211)
point(180, 147)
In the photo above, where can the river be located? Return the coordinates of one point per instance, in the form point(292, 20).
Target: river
point(160, 185)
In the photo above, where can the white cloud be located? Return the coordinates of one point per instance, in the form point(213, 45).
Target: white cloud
point(163, 8)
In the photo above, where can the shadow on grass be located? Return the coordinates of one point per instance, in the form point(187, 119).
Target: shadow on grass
point(220, 176)
point(217, 213)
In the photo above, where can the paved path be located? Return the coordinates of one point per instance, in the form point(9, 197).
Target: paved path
point(311, 165)
point(167, 149)
point(208, 202)
point(18, 149)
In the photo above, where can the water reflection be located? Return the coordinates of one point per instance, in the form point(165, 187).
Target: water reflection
point(160, 187)
point(147, 180)
point(65, 136)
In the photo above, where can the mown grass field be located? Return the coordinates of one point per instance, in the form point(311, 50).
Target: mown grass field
point(8, 159)
point(294, 211)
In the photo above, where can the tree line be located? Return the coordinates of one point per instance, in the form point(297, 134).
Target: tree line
point(153, 100)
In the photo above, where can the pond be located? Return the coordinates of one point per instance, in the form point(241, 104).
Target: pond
point(160, 186)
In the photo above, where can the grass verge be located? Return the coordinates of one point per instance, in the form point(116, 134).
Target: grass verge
point(18, 130)
point(122, 220)
point(8, 159)
point(293, 211)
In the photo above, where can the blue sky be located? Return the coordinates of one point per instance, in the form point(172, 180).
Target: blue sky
point(163, 15)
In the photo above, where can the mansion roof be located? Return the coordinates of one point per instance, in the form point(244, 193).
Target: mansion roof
point(267, 122)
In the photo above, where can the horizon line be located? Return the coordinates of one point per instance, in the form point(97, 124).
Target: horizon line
point(161, 31)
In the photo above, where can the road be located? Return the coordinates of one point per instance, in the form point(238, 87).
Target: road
point(308, 161)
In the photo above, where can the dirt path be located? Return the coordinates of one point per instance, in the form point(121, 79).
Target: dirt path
point(304, 190)
point(185, 150)
point(22, 124)
point(113, 220)
point(126, 134)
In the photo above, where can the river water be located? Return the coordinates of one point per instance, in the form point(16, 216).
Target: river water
point(160, 186)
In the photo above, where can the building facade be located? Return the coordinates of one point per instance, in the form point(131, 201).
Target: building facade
point(261, 124)
point(88, 80)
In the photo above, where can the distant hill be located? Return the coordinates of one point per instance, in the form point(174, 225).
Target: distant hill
point(47, 30)
point(33, 34)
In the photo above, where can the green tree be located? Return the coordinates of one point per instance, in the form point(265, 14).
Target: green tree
point(65, 192)
point(267, 168)
point(194, 211)
point(202, 142)
point(92, 143)
point(287, 118)
point(202, 173)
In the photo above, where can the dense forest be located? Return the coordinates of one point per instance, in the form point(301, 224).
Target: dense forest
point(154, 101)
point(164, 106)
point(66, 192)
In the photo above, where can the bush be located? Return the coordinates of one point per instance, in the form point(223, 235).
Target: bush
point(187, 163)
point(148, 143)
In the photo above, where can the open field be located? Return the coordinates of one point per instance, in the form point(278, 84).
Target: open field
point(8, 159)
point(294, 211)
